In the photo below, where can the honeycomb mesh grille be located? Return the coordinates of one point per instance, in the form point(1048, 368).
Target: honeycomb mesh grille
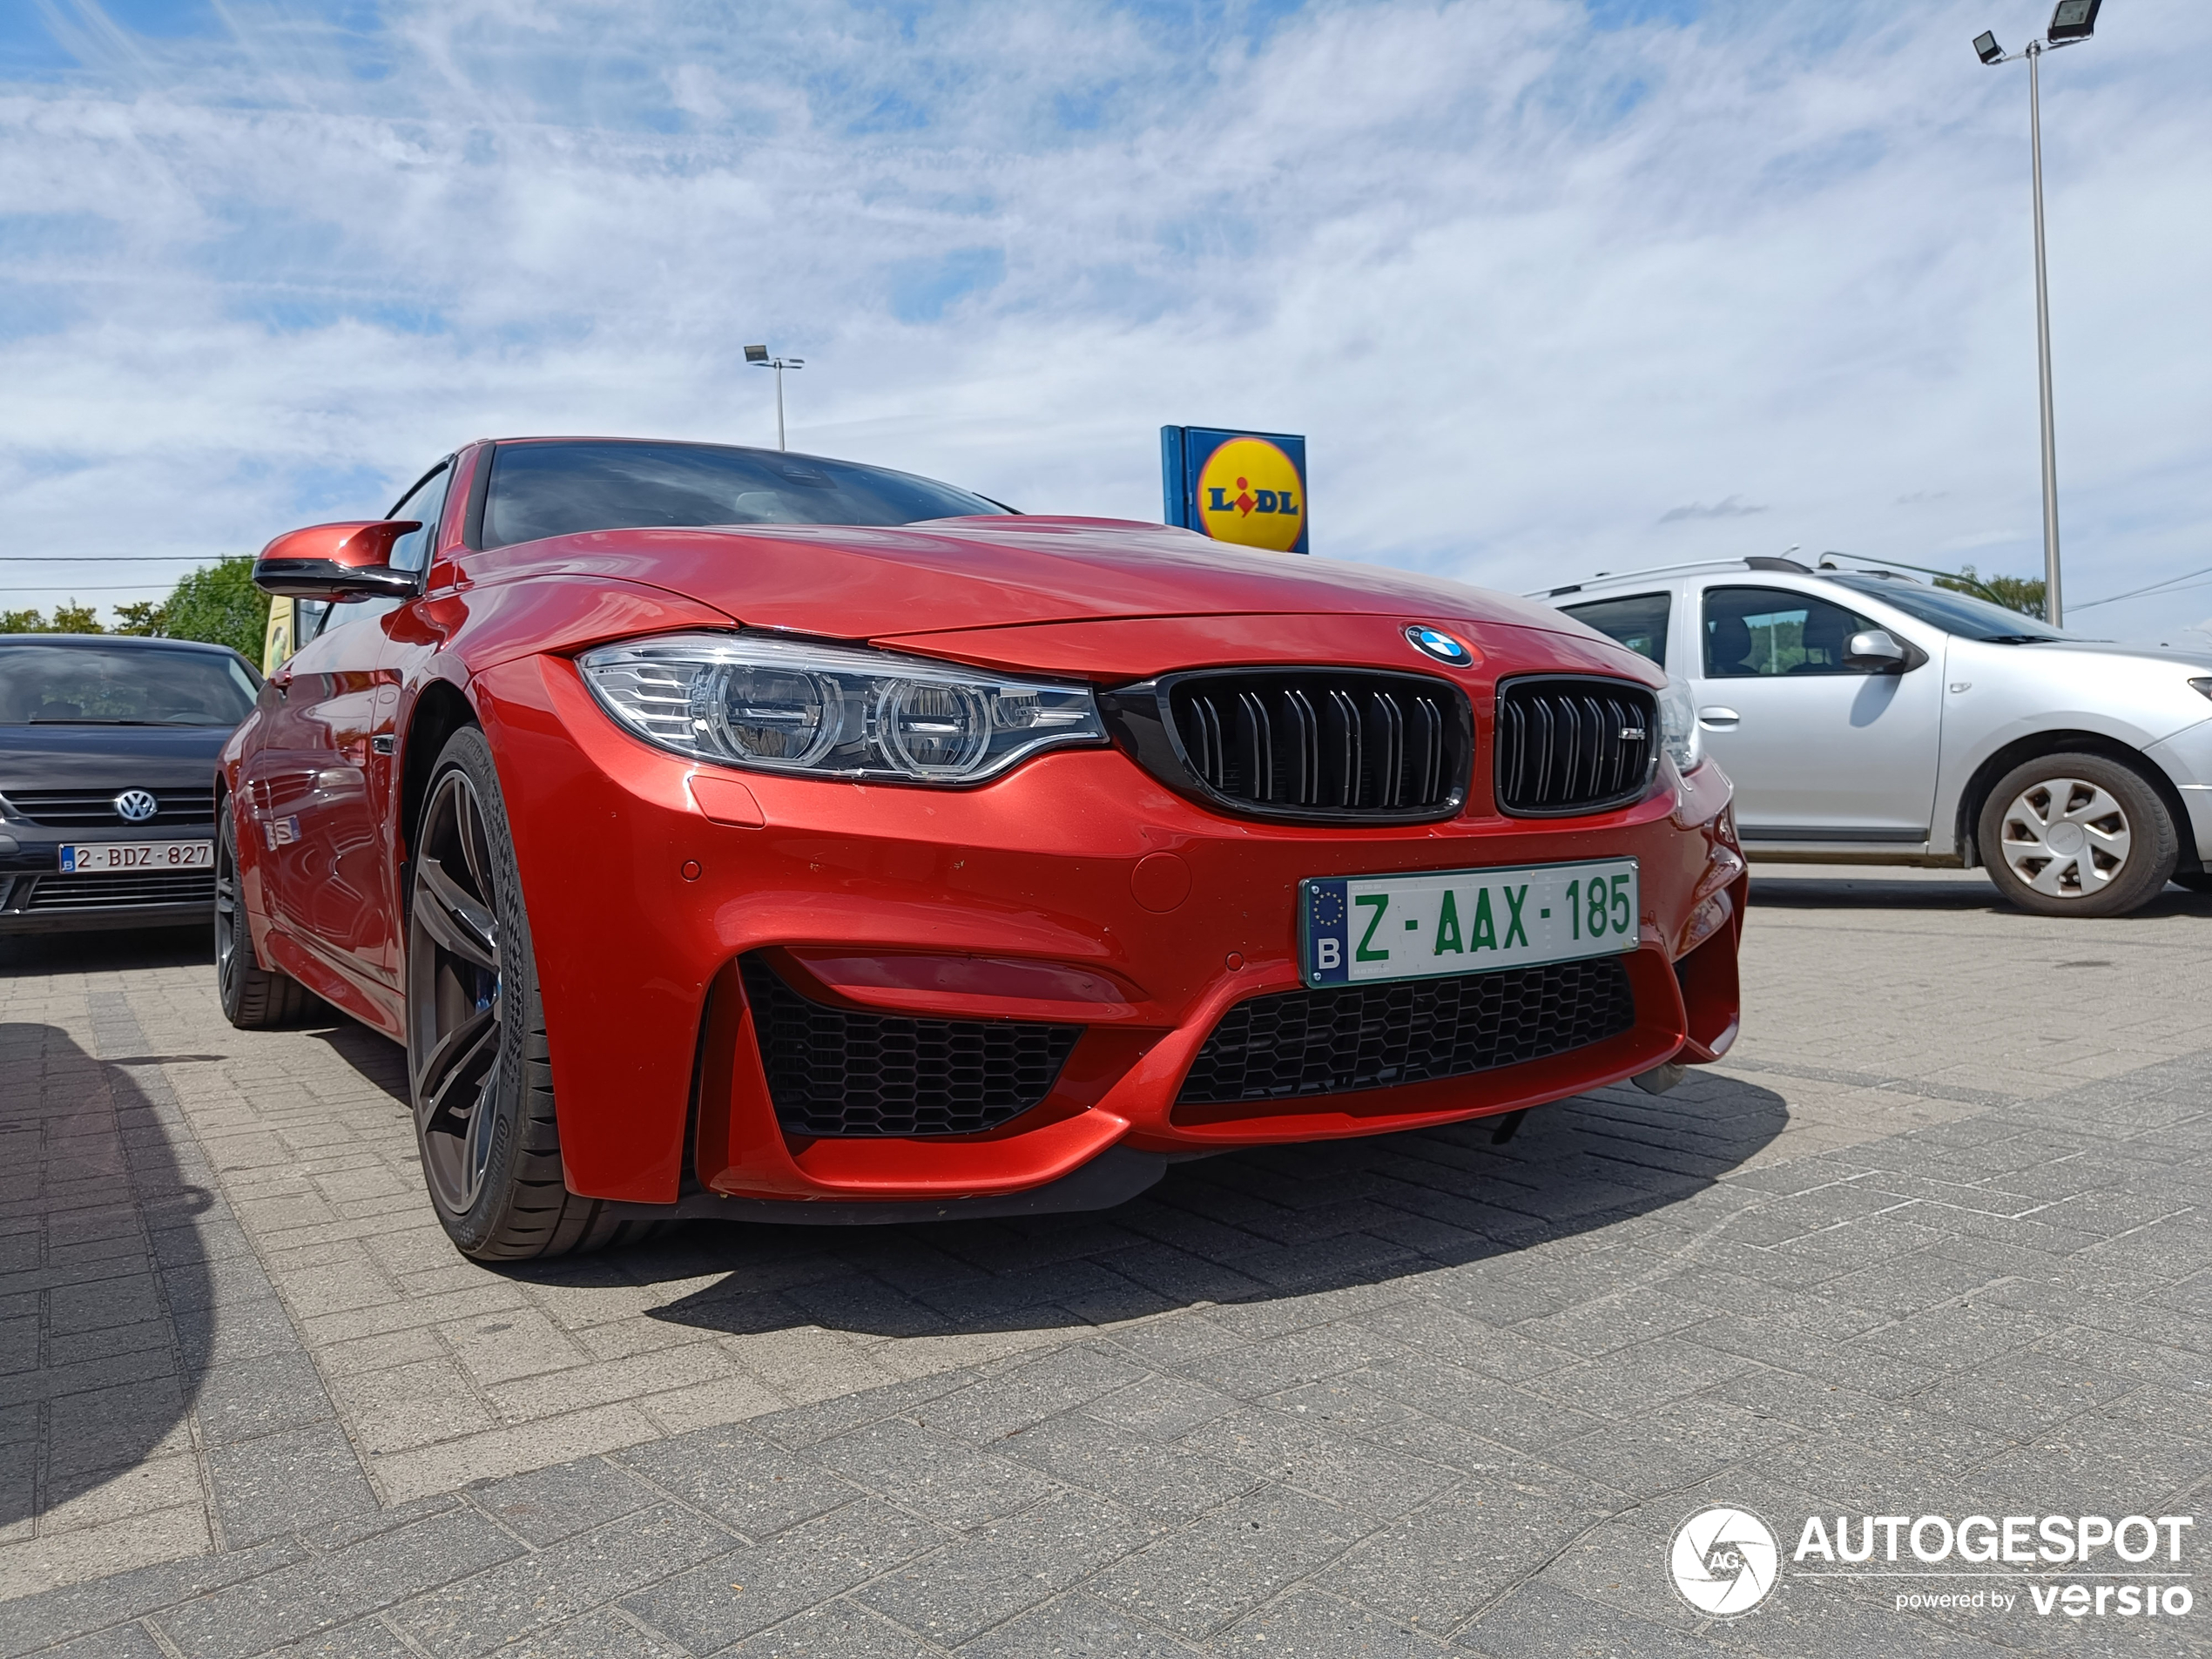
point(835, 1073)
point(1373, 1036)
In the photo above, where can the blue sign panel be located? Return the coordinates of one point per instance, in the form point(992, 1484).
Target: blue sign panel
point(1248, 487)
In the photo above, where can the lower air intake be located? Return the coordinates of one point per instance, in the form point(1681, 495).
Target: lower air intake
point(1375, 1036)
point(835, 1073)
point(96, 889)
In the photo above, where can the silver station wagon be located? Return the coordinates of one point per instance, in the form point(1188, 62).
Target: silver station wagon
point(1868, 718)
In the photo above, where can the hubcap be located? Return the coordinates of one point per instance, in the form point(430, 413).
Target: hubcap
point(454, 1018)
point(2065, 838)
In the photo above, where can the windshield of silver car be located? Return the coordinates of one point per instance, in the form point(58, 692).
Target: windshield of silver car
point(564, 487)
point(1955, 613)
point(53, 683)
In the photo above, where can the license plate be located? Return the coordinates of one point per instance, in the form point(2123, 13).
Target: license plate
point(138, 855)
point(1358, 929)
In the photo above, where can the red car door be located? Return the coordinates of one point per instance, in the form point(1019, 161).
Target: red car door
point(325, 775)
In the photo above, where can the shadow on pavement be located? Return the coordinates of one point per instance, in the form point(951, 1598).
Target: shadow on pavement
point(1245, 1227)
point(98, 1247)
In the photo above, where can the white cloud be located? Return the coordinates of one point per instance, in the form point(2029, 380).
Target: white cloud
point(1546, 298)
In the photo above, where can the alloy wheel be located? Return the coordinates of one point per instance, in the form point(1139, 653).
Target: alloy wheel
point(226, 917)
point(2065, 838)
point(456, 1016)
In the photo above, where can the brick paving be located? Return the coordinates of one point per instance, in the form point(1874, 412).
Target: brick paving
point(1932, 1240)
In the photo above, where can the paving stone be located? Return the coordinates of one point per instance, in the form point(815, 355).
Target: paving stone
point(476, 1614)
point(282, 1482)
point(294, 1602)
point(742, 1480)
point(739, 1594)
point(833, 1630)
point(1285, 1447)
point(1156, 1482)
point(1306, 1621)
point(932, 1474)
point(547, 1505)
point(1205, 1576)
point(1077, 1626)
point(1003, 1567)
point(1534, 1619)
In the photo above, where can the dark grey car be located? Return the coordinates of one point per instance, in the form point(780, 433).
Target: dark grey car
point(107, 778)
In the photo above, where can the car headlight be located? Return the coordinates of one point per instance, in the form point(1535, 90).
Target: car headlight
point(1678, 724)
point(826, 710)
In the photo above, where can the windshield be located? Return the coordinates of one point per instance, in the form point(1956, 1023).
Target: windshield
point(561, 488)
point(1955, 613)
point(53, 684)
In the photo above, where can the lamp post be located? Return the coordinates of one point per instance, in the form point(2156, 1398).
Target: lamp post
point(2072, 22)
point(757, 356)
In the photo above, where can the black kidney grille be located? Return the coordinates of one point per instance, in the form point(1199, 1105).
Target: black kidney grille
point(1332, 742)
point(95, 808)
point(1373, 1036)
point(833, 1072)
point(95, 889)
point(1568, 745)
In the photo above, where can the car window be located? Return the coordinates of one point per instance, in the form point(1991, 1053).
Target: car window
point(424, 502)
point(1638, 622)
point(1753, 632)
point(563, 489)
point(47, 684)
point(1955, 613)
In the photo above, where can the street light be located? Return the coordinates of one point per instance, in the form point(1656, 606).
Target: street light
point(757, 356)
point(2074, 21)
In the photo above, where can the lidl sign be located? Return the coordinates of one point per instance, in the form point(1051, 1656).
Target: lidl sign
point(1248, 487)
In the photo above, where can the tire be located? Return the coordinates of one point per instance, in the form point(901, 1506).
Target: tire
point(480, 1072)
point(253, 998)
point(2077, 835)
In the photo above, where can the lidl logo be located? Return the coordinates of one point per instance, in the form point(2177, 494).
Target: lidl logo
point(1248, 487)
point(1249, 492)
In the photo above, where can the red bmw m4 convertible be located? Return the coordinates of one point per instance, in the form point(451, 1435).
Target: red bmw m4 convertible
point(732, 832)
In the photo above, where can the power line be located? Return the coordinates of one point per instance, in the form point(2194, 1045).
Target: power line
point(2133, 593)
point(109, 559)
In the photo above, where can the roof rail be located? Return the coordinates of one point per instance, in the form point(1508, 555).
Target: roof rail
point(1753, 562)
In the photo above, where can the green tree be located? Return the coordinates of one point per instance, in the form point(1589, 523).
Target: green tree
point(219, 604)
point(148, 618)
point(74, 618)
point(23, 622)
point(2019, 593)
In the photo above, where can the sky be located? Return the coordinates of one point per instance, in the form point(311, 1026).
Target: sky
point(1551, 287)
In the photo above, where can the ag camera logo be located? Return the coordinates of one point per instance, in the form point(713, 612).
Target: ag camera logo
point(1725, 1562)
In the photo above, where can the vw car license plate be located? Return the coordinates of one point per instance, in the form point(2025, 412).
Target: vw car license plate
point(1355, 930)
point(138, 855)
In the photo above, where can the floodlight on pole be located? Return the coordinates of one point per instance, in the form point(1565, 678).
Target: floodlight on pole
point(2073, 21)
point(758, 357)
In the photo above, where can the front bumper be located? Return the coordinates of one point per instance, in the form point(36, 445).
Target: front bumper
point(35, 898)
point(1159, 916)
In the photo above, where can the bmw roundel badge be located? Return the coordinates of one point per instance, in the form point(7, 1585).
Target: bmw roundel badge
point(1435, 642)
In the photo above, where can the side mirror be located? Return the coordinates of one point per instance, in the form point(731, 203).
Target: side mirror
point(349, 561)
point(1875, 652)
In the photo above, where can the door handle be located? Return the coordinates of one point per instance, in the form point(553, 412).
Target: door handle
point(1717, 717)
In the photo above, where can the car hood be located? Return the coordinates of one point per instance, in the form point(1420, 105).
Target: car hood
point(2080, 651)
point(959, 573)
point(105, 756)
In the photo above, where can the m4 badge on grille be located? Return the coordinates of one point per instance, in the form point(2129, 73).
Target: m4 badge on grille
point(1359, 930)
